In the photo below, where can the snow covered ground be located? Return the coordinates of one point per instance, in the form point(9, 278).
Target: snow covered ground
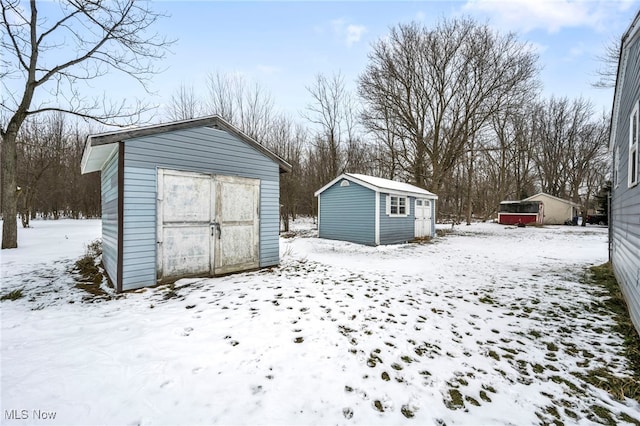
point(485, 325)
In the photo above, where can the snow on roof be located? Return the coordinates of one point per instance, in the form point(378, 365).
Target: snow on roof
point(377, 183)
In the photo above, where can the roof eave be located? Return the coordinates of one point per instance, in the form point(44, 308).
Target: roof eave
point(215, 121)
point(376, 188)
point(626, 39)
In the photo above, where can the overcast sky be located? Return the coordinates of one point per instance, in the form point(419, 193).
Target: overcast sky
point(283, 45)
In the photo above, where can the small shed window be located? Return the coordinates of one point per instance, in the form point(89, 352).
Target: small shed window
point(634, 124)
point(396, 205)
point(344, 182)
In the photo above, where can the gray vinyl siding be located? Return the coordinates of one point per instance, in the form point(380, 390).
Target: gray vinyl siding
point(347, 213)
point(433, 218)
point(625, 203)
point(204, 150)
point(109, 190)
point(139, 226)
point(394, 229)
point(270, 221)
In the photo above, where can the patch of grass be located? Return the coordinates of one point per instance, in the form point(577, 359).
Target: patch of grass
point(618, 387)
point(462, 381)
point(13, 295)
point(571, 414)
point(553, 411)
point(537, 368)
point(171, 293)
point(455, 400)
point(487, 299)
point(93, 288)
point(92, 271)
point(406, 411)
point(603, 277)
point(535, 333)
point(373, 360)
point(493, 354)
point(569, 383)
point(489, 388)
point(552, 347)
point(472, 401)
point(406, 359)
point(627, 418)
point(87, 267)
point(601, 415)
point(484, 396)
point(378, 405)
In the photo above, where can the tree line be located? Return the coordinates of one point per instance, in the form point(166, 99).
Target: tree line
point(50, 185)
point(454, 109)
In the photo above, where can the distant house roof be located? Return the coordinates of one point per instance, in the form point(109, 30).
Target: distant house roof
point(99, 147)
point(381, 185)
point(544, 194)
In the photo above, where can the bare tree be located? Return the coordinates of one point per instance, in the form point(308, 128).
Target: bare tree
point(287, 139)
point(184, 104)
point(608, 71)
point(568, 138)
point(594, 180)
point(248, 107)
point(106, 35)
point(328, 112)
point(435, 89)
point(39, 145)
point(49, 151)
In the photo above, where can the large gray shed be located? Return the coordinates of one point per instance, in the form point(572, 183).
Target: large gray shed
point(187, 198)
point(624, 144)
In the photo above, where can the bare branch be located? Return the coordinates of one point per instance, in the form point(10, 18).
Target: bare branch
point(106, 35)
point(608, 72)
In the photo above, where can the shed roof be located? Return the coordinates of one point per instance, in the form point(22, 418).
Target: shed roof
point(99, 147)
point(544, 194)
point(380, 184)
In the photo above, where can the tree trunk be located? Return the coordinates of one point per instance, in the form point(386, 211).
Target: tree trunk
point(469, 186)
point(9, 191)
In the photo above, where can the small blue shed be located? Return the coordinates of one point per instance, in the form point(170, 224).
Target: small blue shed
point(188, 198)
point(371, 210)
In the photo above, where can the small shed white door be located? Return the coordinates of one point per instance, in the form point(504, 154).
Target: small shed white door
point(185, 214)
point(423, 217)
point(237, 212)
point(206, 224)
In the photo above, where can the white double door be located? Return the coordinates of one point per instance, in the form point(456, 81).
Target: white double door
point(207, 224)
point(423, 218)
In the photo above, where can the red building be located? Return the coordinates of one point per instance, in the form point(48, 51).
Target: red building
point(524, 212)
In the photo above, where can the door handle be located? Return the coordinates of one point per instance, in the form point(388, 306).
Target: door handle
point(215, 226)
